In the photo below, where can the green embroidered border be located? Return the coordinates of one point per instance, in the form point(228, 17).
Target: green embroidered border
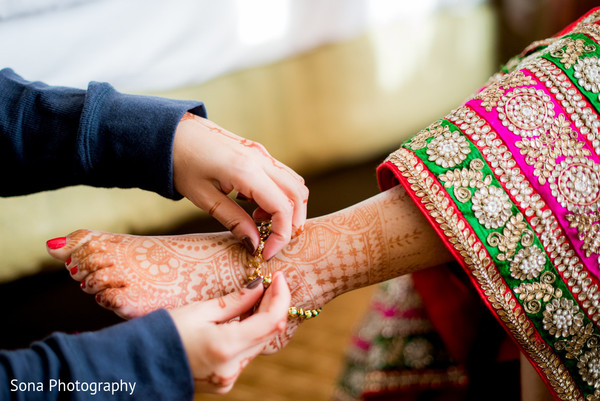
point(590, 96)
point(503, 266)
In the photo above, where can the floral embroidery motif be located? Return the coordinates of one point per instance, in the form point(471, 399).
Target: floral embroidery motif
point(491, 206)
point(588, 230)
point(533, 294)
point(449, 149)
point(462, 179)
point(589, 367)
point(477, 261)
point(542, 152)
point(575, 183)
point(528, 263)
point(496, 88)
point(526, 112)
point(419, 141)
point(515, 232)
point(562, 318)
point(570, 50)
point(587, 71)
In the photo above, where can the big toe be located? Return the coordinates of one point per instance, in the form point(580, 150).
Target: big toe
point(60, 248)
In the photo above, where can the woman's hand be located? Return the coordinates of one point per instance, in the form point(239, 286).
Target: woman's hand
point(209, 162)
point(219, 349)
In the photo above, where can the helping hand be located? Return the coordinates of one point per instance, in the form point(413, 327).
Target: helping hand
point(219, 349)
point(209, 162)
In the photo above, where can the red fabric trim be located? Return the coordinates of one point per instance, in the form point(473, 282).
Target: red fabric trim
point(571, 26)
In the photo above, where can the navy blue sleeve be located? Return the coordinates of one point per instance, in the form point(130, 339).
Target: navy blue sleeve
point(142, 359)
point(52, 137)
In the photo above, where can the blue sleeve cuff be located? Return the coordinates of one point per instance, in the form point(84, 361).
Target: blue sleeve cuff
point(127, 140)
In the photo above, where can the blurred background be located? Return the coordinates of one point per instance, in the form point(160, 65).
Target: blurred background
point(330, 87)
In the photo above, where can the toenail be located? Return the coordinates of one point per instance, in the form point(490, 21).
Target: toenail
point(68, 261)
point(82, 285)
point(56, 243)
point(98, 298)
point(73, 270)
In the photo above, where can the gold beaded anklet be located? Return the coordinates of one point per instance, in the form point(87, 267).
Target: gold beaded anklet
point(264, 230)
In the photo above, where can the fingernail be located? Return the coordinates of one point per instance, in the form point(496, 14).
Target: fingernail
point(68, 261)
point(73, 270)
point(56, 243)
point(254, 283)
point(82, 285)
point(247, 242)
point(98, 298)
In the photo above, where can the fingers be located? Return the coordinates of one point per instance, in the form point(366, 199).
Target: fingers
point(286, 211)
point(269, 320)
point(232, 305)
point(232, 216)
point(209, 162)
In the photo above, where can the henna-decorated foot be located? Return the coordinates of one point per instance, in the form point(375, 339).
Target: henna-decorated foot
point(375, 240)
point(133, 275)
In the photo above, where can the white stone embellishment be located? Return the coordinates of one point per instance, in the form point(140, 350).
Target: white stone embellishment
point(589, 367)
point(491, 206)
point(562, 317)
point(448, 150)
point(528, 263)
point(587, 71)
point(526, 112)
point(575, 183)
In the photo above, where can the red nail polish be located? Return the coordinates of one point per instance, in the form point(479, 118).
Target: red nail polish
point(82, 285)
point(68, 261)
point(98, 298)
point(74, 270)
point(56, 243)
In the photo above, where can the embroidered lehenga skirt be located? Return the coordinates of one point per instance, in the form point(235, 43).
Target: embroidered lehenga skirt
point(510, 181)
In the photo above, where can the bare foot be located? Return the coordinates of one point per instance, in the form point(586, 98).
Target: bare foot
point(133, 275)
point(375, 240)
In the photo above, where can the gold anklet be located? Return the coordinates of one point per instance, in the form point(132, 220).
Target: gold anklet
point(264, 230)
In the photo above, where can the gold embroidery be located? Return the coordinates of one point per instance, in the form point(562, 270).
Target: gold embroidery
point(571, 50)
point(419, 141)
point(587, 72)
point(526, 111)
point(511, 236)
point(575, 183)
point(583, 116)
point(588, 230)
point(533, 294)
point(528, 263)
point(494, 92)
point(448, 149)
point(542, 152)
point(544, 223)
point(562, 318)
point(491, 206)
point(461, 179)
point(485, 273)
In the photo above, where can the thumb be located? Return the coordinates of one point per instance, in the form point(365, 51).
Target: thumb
point(234, 304)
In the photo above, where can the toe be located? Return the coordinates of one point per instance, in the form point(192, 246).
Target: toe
point(103, 279)
point(86, 261)
point(62, 247)
point(116, 300)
